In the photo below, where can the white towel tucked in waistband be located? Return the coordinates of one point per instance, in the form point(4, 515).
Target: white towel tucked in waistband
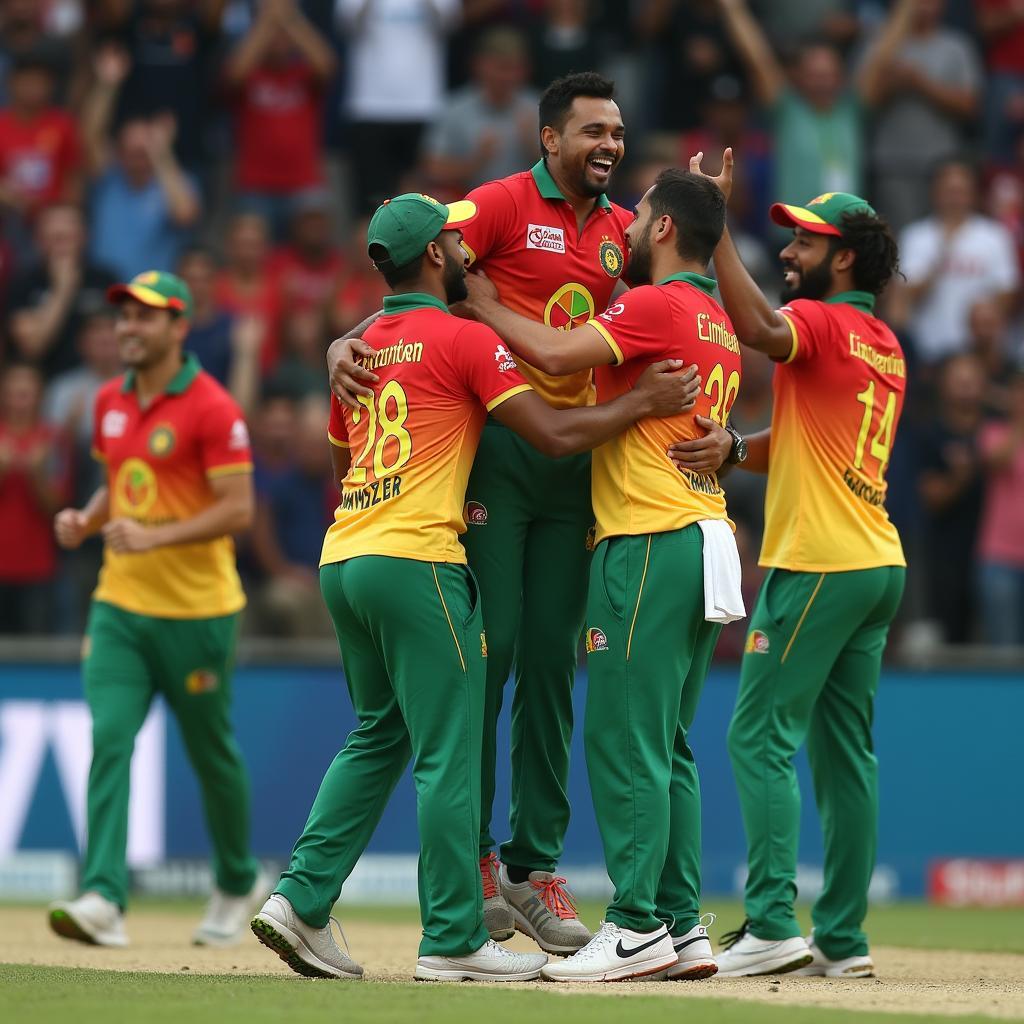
point(723, 598)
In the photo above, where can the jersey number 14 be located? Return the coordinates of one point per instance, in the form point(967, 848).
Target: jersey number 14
point(881, 443)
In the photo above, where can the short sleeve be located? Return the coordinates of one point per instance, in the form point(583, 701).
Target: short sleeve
point(99, 452)
point(485, 366)
point(224, 440)
point(634, 324)
point(337, 431)
point(495, 221)
point(807, 323)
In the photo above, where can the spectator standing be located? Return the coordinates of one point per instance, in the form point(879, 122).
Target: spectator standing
point(32, 484)
point(1001, 542)
point(49, 299)
point(950, 485)
point(143, 203)
point(951, 260)
point(40, 156)
point(277, 75)
point(247, 286)
point(1002, 28)
point(925, 81)
point(488, 129)
point(396, 62)
point(564, 38)
point(22, 32)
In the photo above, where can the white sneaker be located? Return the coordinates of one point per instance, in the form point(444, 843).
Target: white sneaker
point(91, 918)
point(544, 909)
point(696, 959)
point(616, 954)
point(490, 962)
point(227, 917)
point(311, 952)
point(746, 955)
point(848, 967)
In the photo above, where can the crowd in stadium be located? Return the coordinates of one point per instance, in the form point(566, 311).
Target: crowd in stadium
point(243, 143)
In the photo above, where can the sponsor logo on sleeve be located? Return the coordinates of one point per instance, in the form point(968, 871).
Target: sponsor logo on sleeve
point(238, 439)
point(757, 642)
point(612, 311)
point(504, 359)
point(540, 236)
point(596, 640)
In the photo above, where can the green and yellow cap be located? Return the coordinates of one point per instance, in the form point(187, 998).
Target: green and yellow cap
point(155, 288)
point(823, 215)
point(405, 225)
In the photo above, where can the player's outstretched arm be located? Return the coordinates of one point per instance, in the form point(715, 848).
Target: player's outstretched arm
point(757, 324)
point(231, 512)
point(551, 351)
point(660, 391)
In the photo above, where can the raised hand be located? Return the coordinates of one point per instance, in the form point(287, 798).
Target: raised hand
point(723, 180)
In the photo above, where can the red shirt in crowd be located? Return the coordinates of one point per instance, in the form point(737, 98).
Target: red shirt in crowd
point(27, 548)
point(303, 285)
point(263, 302)
point(1005, 51)
point(38, 156)
point(278, 130)
point(1001, 537)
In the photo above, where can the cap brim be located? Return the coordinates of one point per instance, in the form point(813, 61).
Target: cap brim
point(459, 214)
point(797, 217)
point(147, 296)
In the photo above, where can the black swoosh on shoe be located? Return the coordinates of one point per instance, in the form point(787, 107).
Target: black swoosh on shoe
point(682, 945)
point(620, 949)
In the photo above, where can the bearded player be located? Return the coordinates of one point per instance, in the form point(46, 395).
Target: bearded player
point(835, 577)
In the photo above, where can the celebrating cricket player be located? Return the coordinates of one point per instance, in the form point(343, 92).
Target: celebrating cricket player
point(407, 609)
point(835, 577)
point(165, 614)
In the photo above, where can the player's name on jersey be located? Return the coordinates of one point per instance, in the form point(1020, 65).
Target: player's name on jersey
point(862, 489)
point(372, 494)
point(892, 365)
point(704, 483)
point(716, 333)
point(400, 352)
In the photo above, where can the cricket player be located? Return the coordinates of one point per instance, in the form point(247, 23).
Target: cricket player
point(835, 578)
point(165, 613)
point(665, 576)
point(407, 609)
point(554, 246)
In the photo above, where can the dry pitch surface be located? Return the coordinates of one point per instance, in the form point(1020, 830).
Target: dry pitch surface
point(912, 981)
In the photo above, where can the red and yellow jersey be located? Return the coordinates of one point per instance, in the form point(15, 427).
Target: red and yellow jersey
point(159, 462)
point(527, 241)
point(838, 399)
point(414, 441)
point(636, 488)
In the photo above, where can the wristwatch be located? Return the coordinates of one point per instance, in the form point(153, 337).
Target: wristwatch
point(738, 455)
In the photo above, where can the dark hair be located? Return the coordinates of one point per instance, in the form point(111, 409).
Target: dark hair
point(394, 276)
point(197, 252)
point(871, 239)
point(556, 103)
point(960, 161)
point(697, 208)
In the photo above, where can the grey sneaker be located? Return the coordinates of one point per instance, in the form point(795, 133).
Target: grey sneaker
point(544, 909)
point(498, 919)
point(311, 952)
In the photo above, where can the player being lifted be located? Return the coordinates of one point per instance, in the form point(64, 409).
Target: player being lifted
point(835, 577)
point(406, 608)
point(665, 576)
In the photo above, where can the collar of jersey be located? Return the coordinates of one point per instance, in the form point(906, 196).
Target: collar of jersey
point(705, 284)
point(178, 384)
point(549, 190)
point(408, 301)
point(864, 301)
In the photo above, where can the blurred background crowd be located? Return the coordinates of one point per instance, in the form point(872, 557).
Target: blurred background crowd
point(243, 143)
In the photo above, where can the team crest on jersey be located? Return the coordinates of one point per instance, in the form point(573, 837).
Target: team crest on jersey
point(161, 441)
point(596, 640)
point(135, 488)
point(202, 680)
point(611, 258)
point(757, 642)
point(505, 360)
point(475, 514)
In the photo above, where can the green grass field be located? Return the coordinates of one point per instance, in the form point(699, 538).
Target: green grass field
point(48, 995)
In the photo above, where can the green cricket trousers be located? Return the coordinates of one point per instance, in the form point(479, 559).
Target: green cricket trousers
point(649, 648)
point(129, 659)
point(810, 672)
point(412, 644)
point(527, 543)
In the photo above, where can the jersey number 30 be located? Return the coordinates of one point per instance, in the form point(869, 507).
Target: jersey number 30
point(721, 393)
point(382, 427)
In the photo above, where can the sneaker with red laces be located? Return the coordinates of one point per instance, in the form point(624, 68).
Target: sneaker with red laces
point(544, 909)
point(498, 919)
